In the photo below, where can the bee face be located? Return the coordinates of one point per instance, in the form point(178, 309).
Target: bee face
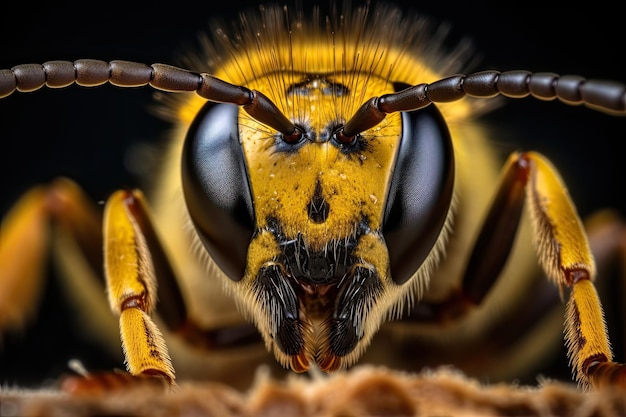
point(279, 224)
point(325, 209)
point(315, 214)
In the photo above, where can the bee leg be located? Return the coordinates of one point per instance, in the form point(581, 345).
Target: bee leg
point(491, 249)
point(497, 233)
point(132, 285)
point(25, 240)
point(564, 253)
point(607, 236)
point(565, 256)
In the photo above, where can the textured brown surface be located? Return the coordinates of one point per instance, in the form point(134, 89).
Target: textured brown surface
point(362, 391)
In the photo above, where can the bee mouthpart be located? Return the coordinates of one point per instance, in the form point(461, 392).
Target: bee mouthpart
point(299, 363)
point(333, 316)
point(311, 322)
point(329, 362)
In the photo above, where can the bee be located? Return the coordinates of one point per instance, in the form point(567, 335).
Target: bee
point(316, 237)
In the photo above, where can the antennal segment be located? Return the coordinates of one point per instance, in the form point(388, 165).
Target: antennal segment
point(91, 72)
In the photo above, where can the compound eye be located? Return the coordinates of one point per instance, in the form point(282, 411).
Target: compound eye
point(216, 188)
point(421, 191)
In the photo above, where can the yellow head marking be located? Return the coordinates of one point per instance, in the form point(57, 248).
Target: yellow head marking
point(285, 182)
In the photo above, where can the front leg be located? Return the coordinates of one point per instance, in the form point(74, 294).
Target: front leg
point(131, 285)
point(564, 253)
point(565, 256)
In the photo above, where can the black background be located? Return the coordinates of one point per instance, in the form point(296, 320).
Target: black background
point(82, 133)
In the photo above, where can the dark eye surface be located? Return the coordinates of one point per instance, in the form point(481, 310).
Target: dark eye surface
point(216, 188)
point(421, 191)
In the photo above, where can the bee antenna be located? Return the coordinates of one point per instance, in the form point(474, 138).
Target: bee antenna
point(91, 72)
point(602, 95)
